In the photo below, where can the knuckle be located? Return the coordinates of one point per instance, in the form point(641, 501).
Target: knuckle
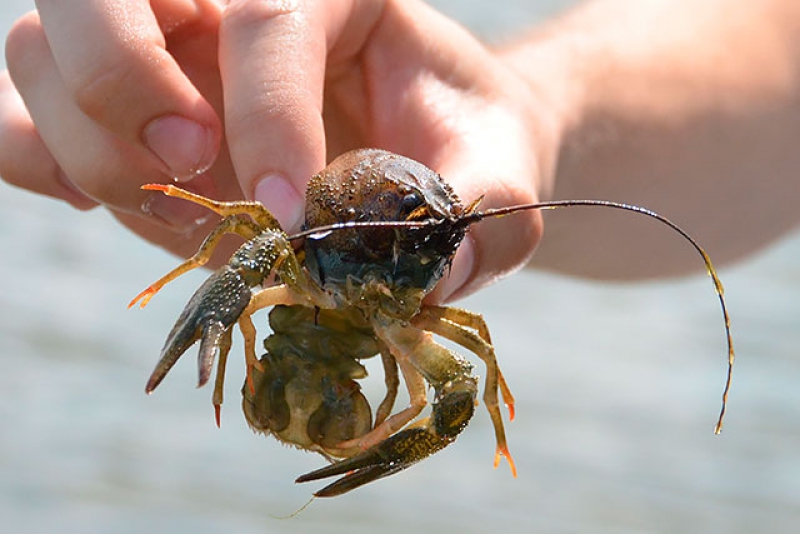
point(97, 89)
point(245, 12)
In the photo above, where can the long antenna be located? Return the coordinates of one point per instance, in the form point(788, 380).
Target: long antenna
point(321, 232)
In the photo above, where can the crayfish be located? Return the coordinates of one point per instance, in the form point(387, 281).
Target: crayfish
point(380, 232)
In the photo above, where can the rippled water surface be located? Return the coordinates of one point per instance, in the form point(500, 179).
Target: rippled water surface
point(617, 390)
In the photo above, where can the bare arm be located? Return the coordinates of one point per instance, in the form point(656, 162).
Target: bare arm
point(689, 108)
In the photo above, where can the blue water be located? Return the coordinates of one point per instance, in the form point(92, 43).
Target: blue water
point(617, 388)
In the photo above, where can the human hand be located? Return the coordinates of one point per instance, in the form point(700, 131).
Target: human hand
point(297, 84)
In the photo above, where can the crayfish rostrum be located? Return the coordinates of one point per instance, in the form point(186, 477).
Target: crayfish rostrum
point(380, 232)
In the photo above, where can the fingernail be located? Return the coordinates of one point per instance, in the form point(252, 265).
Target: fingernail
point(282, 200)
point(181, 216)
point(460, 271)
point(185, 147)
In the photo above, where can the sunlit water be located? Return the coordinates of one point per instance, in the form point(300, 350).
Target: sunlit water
point(617, 391)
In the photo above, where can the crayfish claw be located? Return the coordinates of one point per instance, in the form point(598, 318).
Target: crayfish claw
point(184, 335)
point(454, 408)
point(212, 335)
point(395, 454)
point(210, 313)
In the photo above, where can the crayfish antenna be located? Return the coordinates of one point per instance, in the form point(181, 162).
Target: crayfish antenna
point(476, 216)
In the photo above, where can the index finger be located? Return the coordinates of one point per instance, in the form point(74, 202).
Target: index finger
point(112, 57)
point(273, 58)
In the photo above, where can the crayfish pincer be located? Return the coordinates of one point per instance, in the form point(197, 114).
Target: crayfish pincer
point(380, 231)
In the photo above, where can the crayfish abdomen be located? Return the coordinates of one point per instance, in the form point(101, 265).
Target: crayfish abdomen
point(307, 394)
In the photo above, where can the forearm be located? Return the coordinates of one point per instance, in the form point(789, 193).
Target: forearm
point(689, 108)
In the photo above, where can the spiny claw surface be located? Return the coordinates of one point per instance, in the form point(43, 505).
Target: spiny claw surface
point(454, 408)
point(212, 310)
point(387, 458)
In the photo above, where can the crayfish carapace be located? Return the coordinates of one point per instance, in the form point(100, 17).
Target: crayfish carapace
point(381, 230)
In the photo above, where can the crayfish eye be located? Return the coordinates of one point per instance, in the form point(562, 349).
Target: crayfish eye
point(411, 203)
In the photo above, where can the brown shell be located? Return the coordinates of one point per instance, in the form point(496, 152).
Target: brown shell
point(375, 185)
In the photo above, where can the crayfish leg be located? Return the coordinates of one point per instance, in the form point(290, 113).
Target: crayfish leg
point(418, 399)
point(508, 398)
point(229, 225)
point(461, 317)
point(248, 330)
point(267, 297)
point(476, 322)
point(392, 381)
point(454, 324)
point(254, 209)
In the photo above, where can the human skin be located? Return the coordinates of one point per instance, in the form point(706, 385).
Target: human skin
point(688, 108)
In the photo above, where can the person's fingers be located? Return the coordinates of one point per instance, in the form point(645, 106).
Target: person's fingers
point(272, 61)
point(273, 58)
point(111, 55)
point(25, 161)
point(103, 166)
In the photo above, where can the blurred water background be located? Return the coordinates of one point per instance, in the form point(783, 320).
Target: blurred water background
point(617, 386)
